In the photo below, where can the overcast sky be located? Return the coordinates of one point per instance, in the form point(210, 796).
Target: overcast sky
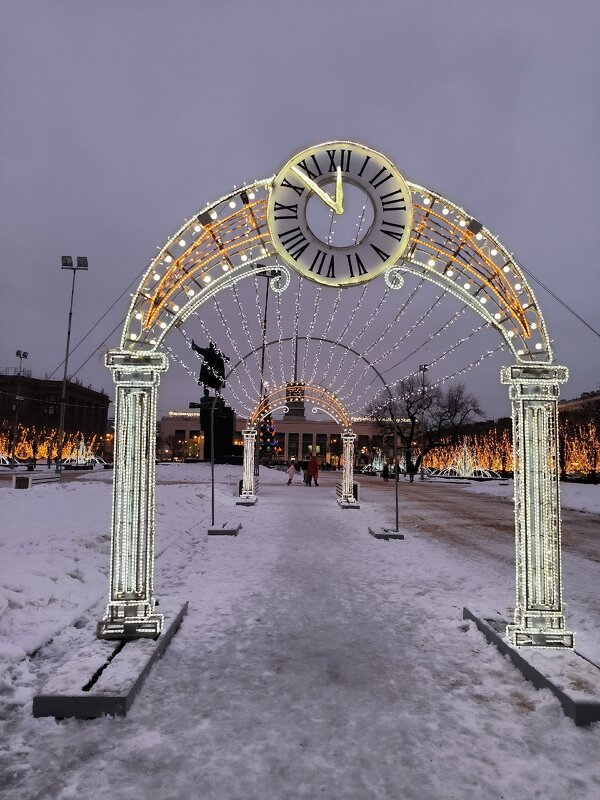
point(120, 119)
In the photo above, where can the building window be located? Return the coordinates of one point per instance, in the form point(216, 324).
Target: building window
point(321, 444)
point(307, 447)
point(292, 445)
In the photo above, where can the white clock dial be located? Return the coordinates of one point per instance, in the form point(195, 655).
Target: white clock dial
point(340, 213)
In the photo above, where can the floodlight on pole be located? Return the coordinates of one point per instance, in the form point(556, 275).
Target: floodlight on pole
point(67, 263)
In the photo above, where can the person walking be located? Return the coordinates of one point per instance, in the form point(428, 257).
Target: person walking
point(385, 472)
point(291, 471)
point(313, 470)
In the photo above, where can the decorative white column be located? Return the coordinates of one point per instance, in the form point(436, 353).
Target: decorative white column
point(248, 485)
point(348, 473)
point(539, 618)
point(130, 611)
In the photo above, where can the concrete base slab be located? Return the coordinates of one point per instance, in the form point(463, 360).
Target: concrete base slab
point(104, 677)
point(225, 529)
point(570, 676)
point(247, 501)
point(342, 504)
point(385, 533)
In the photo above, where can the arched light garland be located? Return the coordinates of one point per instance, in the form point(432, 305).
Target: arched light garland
point(349, 321)
point(325, 333)
point(356, 338)
point(439, 332)
point(309, 333)
point(235, 347)
point(212, 338)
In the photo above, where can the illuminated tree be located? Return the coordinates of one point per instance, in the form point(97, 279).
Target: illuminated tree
point(268, 441)
point(426, 417)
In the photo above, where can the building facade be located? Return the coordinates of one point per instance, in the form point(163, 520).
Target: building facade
point(180, 436)
point(300, 437)
point(37, 401)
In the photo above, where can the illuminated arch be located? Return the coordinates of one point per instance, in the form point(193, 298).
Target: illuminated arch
point(222, 244)
point(320, 398)
point(320, 339)
point(280, 398)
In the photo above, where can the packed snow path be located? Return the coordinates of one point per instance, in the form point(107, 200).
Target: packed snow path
point(318, 662)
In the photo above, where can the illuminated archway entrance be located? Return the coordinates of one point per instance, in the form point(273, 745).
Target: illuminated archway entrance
point(222, 244)
point(281, 398)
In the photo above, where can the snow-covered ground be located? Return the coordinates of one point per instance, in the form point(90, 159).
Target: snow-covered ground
point(315, 661)
point(576, 496)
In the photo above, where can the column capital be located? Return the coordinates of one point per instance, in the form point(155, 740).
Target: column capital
point(134, 362)
point(532, 374)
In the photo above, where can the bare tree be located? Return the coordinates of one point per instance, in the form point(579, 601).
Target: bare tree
point(425, 417)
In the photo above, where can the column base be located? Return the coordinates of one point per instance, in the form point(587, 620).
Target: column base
point(129, 622)
point(538, 628)
point(529, 637)
point(348, 503)
point(251, 500)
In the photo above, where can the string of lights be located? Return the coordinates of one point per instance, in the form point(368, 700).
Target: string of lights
point(324, 334)
point(341, 336)
point(233, 343)
point(441, 357)
point(280, 338)
point(309, 332)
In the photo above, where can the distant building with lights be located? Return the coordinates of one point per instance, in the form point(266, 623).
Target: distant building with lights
point(86, 410)
point(181, 436)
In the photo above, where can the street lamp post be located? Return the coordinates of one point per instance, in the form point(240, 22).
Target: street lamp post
point(423, 369)
point(20, 354)
point(268, 274)
point(67, 263)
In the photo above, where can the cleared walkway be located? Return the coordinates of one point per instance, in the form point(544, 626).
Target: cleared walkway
point(319, 662)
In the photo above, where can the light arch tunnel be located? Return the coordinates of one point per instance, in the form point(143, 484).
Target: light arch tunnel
point(281, 397)
point(322, 399)
point(224, 243)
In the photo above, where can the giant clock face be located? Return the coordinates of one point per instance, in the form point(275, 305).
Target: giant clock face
point(340, 213)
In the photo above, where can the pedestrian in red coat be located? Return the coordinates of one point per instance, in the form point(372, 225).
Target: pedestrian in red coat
point(313, 470)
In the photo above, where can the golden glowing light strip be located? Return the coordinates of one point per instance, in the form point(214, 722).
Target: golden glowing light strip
point(464, 242)
point(173, 279)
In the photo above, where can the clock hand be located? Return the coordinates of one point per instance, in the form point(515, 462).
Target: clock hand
point(339, 192)
point(310, 184)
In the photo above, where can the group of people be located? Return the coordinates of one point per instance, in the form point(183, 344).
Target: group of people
point(308, 471)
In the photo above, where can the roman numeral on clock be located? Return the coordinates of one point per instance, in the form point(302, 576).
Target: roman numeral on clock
point(393, 229)
point(285, 212)
point(319, 262)
point(365, 162)
point(294, 241)
point(393, 201)
point(355, 263)
point(345, 156)
point(288, 185)
point(382, 176)
point(312, 175)
point(381, 253)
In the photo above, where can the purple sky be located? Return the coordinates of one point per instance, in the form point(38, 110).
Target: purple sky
point(121, 119)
